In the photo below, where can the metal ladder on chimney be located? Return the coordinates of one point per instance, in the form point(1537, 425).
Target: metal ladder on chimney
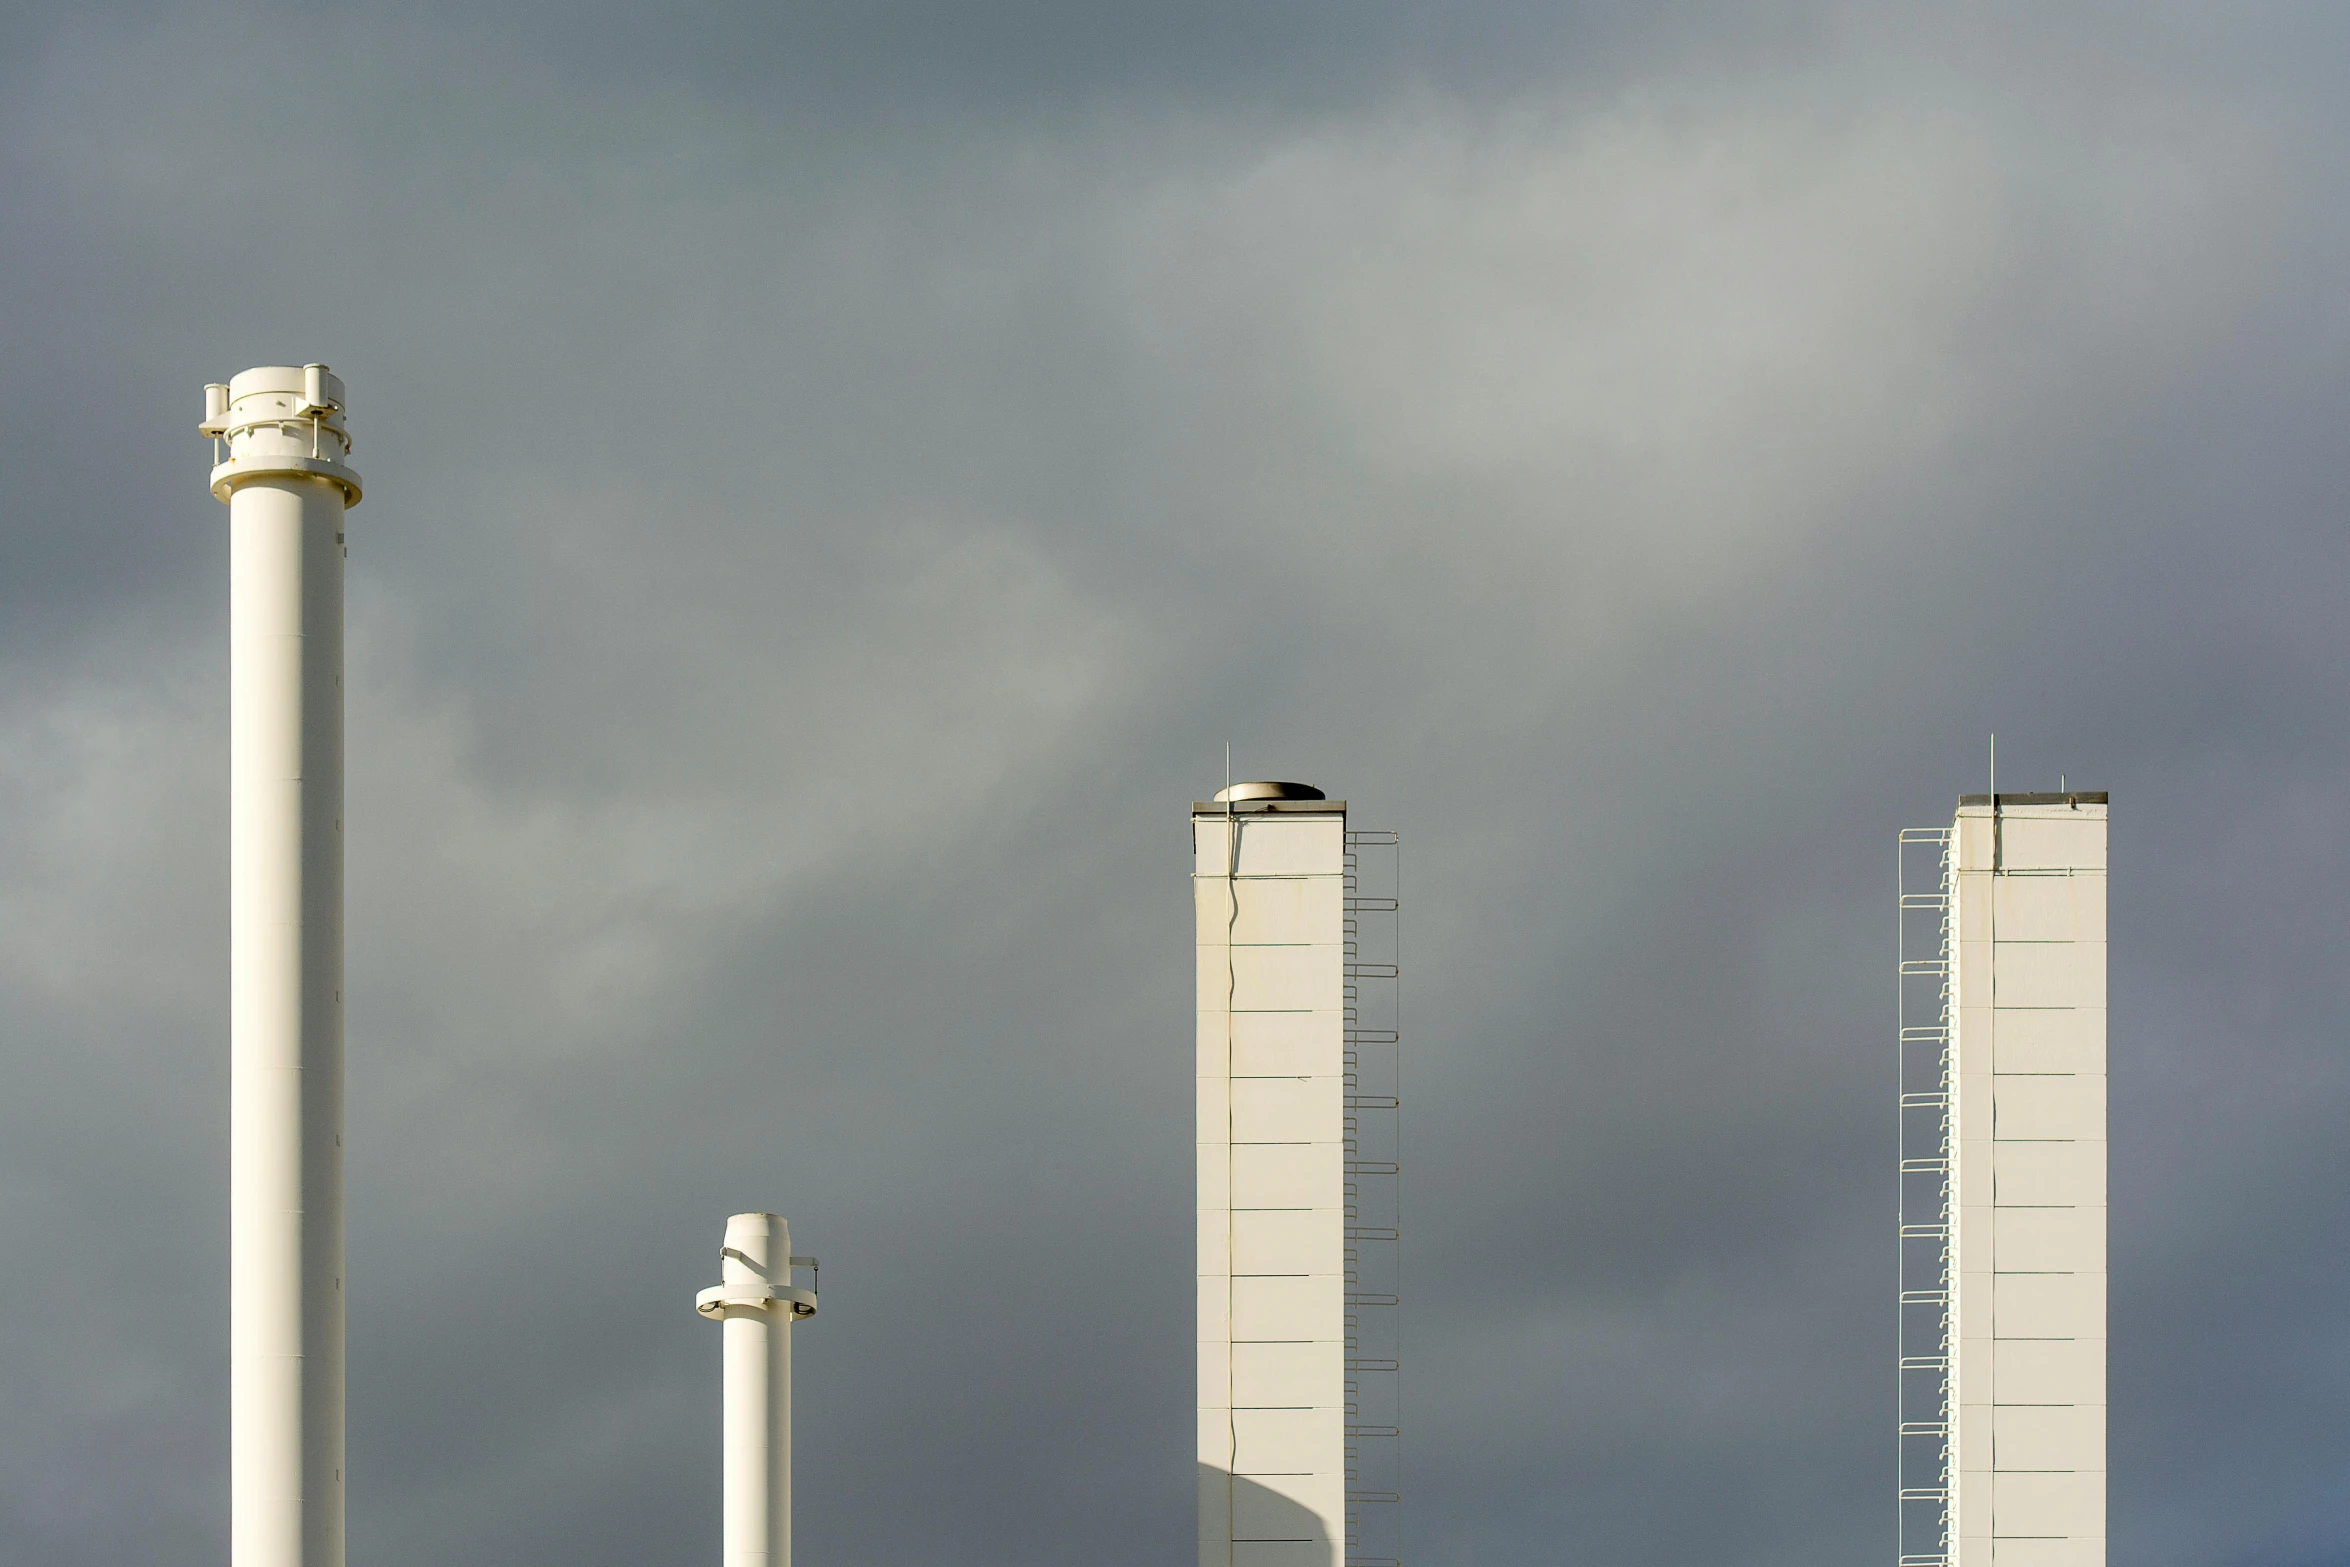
point(1374, 1174)
point(1924, 1402)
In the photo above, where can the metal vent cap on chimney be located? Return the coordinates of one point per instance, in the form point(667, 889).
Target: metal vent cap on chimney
point(278, 422)
point(1270, 791)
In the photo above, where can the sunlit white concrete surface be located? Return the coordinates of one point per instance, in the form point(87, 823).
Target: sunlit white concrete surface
point(1269, 894)
point(2029, 1162)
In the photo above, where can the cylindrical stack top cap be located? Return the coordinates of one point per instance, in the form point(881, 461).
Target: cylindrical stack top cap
point(755, 1270)
point(281, 421)
point(301, 380)
point(754, 1234)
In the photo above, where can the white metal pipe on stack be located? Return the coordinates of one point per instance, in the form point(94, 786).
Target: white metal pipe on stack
point(281, 449)
point(755, 1305)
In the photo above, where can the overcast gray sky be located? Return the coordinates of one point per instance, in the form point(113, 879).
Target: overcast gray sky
point(838, 475)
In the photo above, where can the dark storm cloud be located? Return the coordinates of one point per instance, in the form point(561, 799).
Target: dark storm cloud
point(921, 58)
point(837, 479)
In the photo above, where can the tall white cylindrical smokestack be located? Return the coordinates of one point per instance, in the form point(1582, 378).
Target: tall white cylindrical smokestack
point(755, 1305)
point(281, 453)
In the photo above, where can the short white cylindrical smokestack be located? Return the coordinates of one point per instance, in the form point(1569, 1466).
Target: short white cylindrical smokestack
point(281, 453)
point(755, 1306)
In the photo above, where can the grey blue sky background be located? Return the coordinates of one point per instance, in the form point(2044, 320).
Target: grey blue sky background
point(838, 477)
